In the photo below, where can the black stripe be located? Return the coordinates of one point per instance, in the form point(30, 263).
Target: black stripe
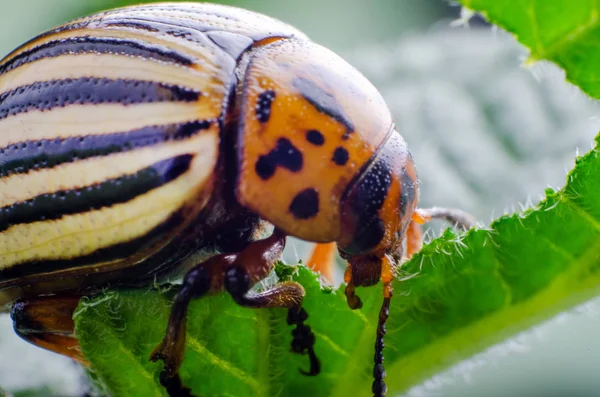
point(76, 25)
point(99, 45)
point(108, 254)
point(194, 32)
point(160, 23)
point(191, 30)
point(47, 95)
point(151, 18)
point(113, 16)
point(324, 102)
point(134, 25)
point(113, 191)
point(185, 29)
point(47, 153)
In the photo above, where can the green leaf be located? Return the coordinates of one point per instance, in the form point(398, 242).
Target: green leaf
point(458, 296)
point(563, 31)
point(461, 294)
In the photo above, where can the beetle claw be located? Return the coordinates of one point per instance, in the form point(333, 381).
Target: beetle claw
point(315, 364)
point(174, 386)
point(169, 376)
point(303, 340)
point(166, 352)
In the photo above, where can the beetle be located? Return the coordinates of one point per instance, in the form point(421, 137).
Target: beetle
point(138, 142)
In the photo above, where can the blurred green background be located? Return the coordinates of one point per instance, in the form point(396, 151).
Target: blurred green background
point(487, 136)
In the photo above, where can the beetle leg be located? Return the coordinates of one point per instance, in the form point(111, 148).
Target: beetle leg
point(285, 295)
point(322, 260)
point(456, 217)
point(353, 300)
point(47, 322)
point(255, 263)
point(388, 266)
point(414, 239)
point(237, 273)
point(196, 283)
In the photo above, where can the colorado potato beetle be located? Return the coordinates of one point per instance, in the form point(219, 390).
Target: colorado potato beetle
point(135, 141)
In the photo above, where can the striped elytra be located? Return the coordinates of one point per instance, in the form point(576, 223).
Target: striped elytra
point(110, 127)
point(136, 142)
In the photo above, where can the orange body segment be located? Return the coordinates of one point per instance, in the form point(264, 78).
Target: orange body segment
point(309, 123)
point(414, 239)
point(48, 323)
point(322, 260)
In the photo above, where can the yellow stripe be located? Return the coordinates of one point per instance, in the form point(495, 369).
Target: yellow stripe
point(82, 234)
point(21, 187)
point(207, 58)
point(90, 119)
point(110, 66)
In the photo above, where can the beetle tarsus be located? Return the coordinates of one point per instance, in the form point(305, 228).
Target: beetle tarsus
point(285, 294)
point(303, 341)
point(174, 386)
point(353, 300)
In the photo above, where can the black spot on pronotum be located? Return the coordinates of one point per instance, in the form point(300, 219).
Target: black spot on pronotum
point(265, 167)
point(340, 156)
point(315, 137)
point(263, 105)
point(285, 155)
point(324, 102)
point(306, 204)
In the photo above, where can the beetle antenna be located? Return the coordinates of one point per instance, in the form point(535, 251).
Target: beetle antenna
point(379, 387)
point(458, 218)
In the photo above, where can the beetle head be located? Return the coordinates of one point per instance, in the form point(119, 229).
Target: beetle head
point(378, 208)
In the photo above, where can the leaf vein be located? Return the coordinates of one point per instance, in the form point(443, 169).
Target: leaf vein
point(573, 35)
point(337, 348)
point(584, 213)
point(224, 364)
